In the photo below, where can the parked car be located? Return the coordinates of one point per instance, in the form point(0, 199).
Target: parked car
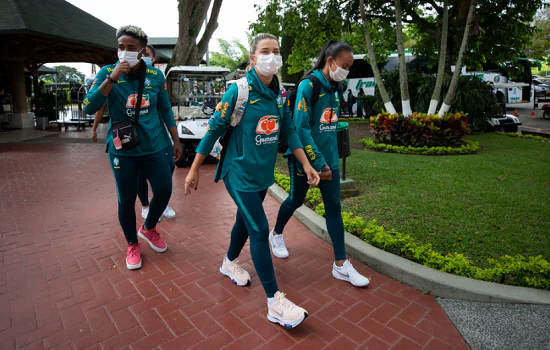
point(546, 111)
point(542, 88)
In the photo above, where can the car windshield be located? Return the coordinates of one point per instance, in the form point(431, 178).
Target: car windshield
point(196, 90)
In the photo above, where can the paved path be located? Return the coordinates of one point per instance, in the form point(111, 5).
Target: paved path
point(489, 326)
point(64, 284)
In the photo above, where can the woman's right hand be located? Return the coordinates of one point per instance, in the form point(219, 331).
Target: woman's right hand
point(326, 173)
point(191, 181)
point(122, 68)
point(94, 137)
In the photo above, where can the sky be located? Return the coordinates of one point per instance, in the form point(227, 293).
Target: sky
point(159, 18)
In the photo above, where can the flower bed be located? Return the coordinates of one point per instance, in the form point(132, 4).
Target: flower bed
point(420, 130)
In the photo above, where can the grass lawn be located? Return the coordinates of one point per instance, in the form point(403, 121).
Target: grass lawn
point(486, 205)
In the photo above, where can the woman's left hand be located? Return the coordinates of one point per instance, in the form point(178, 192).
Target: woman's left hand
point(312, 175)
point(177, 151)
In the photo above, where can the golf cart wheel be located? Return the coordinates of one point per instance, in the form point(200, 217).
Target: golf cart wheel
point(546, 114)
point(513, 128)
point(184, 159)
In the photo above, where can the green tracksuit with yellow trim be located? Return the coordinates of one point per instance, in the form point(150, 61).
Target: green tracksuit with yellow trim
point(149, 157)
point(248, 167)
point(317, 129)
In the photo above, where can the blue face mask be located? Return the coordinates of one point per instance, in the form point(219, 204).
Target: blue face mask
point(148, 61)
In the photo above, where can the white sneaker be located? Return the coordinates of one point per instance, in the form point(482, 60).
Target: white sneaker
point(169, 213)
point(278, 247)
point(348, 273)
point(233, 270)
point(285, 312)
point(145, 212)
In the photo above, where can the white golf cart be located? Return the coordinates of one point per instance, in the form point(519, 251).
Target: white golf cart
point(194, 93)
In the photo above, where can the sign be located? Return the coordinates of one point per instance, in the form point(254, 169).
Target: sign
point(515, 95)
point(368, 85)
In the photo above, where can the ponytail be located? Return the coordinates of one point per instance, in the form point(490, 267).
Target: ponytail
point(332, 48)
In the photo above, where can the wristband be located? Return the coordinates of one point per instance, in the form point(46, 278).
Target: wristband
point(111, 79)
point(325, 168)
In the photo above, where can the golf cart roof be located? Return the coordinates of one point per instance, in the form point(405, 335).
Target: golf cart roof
point(198, 70)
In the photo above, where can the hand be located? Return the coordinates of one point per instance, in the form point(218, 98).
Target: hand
point(326, 175)
point(94, 137)
point(191, 181)
point(122, 68)
point(312, 175)
point(177, 151)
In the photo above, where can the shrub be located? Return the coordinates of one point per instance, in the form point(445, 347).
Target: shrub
point(370, 105)
point(420, 130)
point(524, 136)
point(474, 96)
point(517, 270)
point(468, 147)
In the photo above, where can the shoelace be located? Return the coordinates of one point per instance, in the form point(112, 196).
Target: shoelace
point(154, 235)
point(236, 266)
point(278, 241)
point(350, 269)
point(284, 303)
point(134, 250)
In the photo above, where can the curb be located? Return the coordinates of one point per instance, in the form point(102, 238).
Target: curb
point(423, 278)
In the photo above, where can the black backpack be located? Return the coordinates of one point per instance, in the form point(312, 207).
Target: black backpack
point(283, 145)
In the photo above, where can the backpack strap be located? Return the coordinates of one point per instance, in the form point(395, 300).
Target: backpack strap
point(236, 117)
point(242, 100)
point(316, 89)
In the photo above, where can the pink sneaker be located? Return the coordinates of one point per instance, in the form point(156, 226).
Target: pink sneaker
point(153, 238)
point(133, 257)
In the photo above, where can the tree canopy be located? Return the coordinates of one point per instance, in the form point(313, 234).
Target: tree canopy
point(68, 75)
point(540, 43)
point(500, 32)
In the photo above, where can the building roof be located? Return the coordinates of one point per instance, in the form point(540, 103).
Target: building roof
point(57, 19)
point(197, 70)
point(163, 41)
point(54, 31)
point(46, 70)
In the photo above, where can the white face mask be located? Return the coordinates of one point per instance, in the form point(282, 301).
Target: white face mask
point(129, 56)
point(340, 73)
point(268, 64)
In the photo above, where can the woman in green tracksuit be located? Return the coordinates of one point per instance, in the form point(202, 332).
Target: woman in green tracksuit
point(149, 58)
point(118, 86)
point(317, 129)
point(248, 170)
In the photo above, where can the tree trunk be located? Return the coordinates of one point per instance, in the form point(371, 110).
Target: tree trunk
point(403, 78)
point(458, 67)
point(188, 51)
point(442, 59)
point(372, 58)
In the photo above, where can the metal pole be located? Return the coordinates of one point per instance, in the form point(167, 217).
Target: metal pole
point(344, 169)
point(207, 46)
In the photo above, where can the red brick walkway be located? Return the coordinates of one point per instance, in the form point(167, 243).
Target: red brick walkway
point(64, 284)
